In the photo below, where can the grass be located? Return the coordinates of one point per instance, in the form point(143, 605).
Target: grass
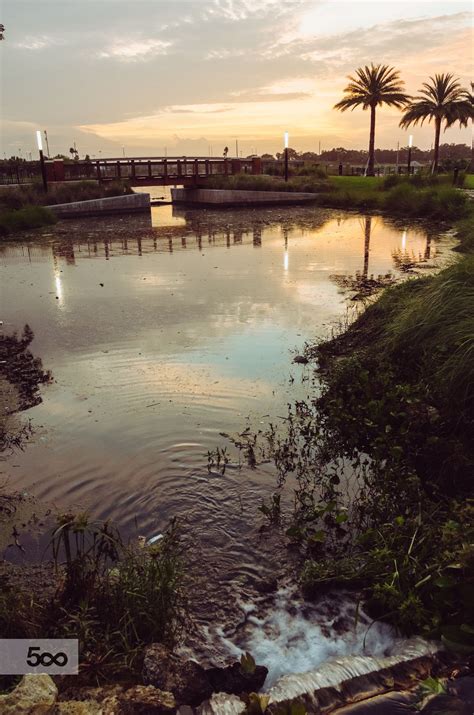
point(417, 197)
point(396, 405)
point(114, 598)
point(251, 182)
point(465, 235)
point(12, 220)
point(25, 207)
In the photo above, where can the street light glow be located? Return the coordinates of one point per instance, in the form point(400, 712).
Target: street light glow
point(286, 140)
point(410, 141)
point(39, 141)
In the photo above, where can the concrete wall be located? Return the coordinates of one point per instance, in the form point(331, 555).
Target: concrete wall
point(128, 203)
point(232, 197)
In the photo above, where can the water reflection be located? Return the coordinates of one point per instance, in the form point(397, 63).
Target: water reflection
point(161, 338)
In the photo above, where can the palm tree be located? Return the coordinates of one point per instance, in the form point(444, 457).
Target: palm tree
point(374, 85)
point(442, 99)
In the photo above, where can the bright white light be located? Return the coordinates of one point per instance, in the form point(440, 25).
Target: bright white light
point(404, 240)
point(410, 140)
point(39, 141)
point(286, 261)
point(286, 140)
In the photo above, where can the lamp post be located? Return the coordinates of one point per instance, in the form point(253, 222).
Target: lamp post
point(286, 155)
point(410, 144)
point(43, 167)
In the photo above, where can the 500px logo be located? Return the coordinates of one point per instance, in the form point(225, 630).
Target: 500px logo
point(56, 656)
point(45, 658)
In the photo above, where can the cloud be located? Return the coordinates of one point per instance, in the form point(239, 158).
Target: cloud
point(240, 10)
point(137, 50)
point(31, 42)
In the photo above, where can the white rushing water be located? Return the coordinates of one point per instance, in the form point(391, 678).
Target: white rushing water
point(291, 636)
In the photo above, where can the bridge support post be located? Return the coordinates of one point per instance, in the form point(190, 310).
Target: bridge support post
point(256, 165)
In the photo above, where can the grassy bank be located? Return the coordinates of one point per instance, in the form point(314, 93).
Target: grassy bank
point(250, 182)
point(26, 207)
point(416, 197)
point(113, 597)
point(397, 405)
point(12, 220)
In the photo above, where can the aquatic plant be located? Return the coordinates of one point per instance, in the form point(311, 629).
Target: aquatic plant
point(395, 412)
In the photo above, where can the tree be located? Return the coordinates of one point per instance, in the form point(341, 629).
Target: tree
point(373, 86)
point(443, 100)
point(2, 32)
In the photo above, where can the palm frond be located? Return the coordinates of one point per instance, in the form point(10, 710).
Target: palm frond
point(371, 86)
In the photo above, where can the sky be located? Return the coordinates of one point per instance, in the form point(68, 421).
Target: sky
point(189, 77)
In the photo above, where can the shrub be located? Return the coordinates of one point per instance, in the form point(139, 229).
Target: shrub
point(390, 181)
point(465, 234)
point(28, 217)
point(113, 598)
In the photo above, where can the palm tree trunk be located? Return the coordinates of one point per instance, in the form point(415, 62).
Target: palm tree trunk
point(368, 224)
point(434, 167)
point(370, 165)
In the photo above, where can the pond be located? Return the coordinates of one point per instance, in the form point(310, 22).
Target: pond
point(161, 336)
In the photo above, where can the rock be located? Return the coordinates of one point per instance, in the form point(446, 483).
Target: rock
point(234, 680)
point(140, 700)
point(222, 704)
point(446, 705)
point(301, 359)
point(185, 679)
point(78, 707)
point(34, 695)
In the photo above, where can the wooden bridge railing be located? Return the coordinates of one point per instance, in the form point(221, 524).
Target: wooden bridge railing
point(139, 170)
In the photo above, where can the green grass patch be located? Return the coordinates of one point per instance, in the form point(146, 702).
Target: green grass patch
point(114, 598)
point(465, 235)
point(33, 194)
point(251, 182)
point(12, 220)
point(396, 406)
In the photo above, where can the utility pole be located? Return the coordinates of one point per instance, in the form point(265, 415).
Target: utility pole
point(43, 167)
point(237, 148)
point(47, 143)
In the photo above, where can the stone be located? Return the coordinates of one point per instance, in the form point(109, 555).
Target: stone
point(185, 679)
point(222, 704)
point(301, 359)
point(78, 707)
point(234, 680)
point(34, 695)
point(140, 700)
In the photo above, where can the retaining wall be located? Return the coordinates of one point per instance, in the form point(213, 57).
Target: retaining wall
point(234, 197)
point(128, 203)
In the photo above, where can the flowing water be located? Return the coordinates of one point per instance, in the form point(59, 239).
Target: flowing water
point(160, 336)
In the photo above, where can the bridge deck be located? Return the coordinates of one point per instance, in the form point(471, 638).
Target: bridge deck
point(150, 171)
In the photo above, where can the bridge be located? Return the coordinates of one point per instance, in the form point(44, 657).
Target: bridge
point(150, 171)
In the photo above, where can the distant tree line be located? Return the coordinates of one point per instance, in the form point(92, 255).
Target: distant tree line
point(447, 152)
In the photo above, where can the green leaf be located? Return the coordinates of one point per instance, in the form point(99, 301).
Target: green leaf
point(341, 518)
point(247, 663)
point(318, 537)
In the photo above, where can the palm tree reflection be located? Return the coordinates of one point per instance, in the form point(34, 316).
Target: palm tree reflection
point(361, 283)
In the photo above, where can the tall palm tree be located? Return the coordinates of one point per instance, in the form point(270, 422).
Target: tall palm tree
point(372, 86)
point(443, 100)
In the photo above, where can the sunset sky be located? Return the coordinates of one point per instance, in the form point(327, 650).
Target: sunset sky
point(142, 75)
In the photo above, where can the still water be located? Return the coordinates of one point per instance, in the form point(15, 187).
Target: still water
point(162, 335)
